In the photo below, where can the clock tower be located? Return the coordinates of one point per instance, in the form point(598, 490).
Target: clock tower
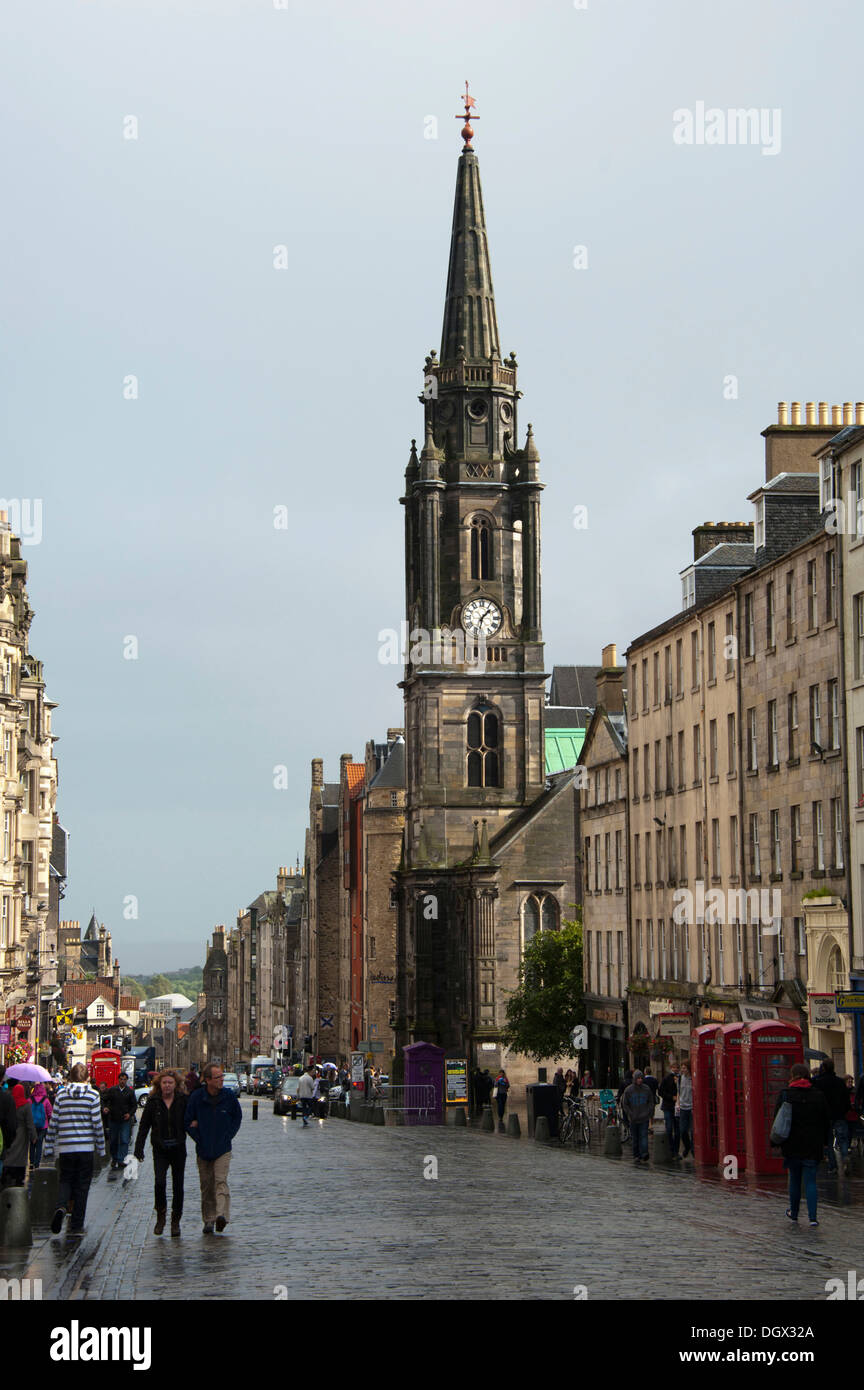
point(474, 683)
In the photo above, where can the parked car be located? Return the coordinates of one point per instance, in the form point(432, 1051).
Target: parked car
point(285, 1100)
point(141, 1094)
point(231, 1082)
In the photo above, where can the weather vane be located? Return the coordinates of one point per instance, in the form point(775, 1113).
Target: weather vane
point(467, 132)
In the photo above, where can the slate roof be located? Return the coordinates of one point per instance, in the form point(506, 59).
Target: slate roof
point(575, 686)
point(734, 554)
point(392, 774)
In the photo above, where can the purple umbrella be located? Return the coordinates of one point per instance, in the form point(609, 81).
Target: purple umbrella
point(27, 1071)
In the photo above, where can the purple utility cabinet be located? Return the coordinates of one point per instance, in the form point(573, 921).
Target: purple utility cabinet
point(424, 1068)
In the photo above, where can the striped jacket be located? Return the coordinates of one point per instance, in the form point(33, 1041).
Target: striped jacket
point(76, 1122)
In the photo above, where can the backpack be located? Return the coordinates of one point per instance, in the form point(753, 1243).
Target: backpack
point(39, 1114)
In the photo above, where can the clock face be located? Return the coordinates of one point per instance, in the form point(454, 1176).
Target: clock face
point(481, 615)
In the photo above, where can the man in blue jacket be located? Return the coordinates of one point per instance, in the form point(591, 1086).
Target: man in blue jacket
point(213, 1117)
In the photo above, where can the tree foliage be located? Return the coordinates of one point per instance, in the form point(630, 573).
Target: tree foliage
point(548, 1002)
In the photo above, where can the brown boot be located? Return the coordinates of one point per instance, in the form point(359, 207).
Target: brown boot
point(160, 1222)
point(175, 1225)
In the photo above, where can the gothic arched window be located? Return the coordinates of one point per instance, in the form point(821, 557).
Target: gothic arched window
point(483, 744)
point(481, 549)
point(539, 913)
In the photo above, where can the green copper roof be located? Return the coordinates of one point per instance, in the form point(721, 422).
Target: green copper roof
point(563, 747)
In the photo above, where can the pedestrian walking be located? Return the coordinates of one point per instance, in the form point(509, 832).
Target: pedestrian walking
point(15, 1158)
point(42, 1109)
point(685, 1110)
point(8, 1118)
point(77, 1132)
point(502, 1086)
point(193, 1081)
point(163, 1118)
point(638, 1104)
point(809, 1132)
point(213, 1117)
point(306, 1094)
point(668, 1091)
point(119, 1104)
point(836, 1093)
point(559, 1081)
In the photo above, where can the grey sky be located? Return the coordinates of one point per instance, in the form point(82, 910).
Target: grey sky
point(304, 126)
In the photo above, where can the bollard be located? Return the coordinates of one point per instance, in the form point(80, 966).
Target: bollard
point(488, 1121)
point(514, 1129)
point(662, 1153)
point(255, 1108)
point(15, 1217)
point(43, 1195)
point(378, 1116)
point(612, 1142)
point(460, 1119)
point(541, 1129)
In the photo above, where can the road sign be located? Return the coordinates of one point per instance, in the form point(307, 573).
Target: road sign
point(579, 1037)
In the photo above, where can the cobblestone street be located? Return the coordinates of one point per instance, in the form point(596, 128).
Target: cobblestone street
point(343, 1210)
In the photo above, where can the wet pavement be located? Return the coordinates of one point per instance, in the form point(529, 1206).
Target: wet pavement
point(347, 1210)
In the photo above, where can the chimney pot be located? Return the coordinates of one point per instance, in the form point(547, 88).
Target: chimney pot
point(610, 656)
point(782, 413)
point(796, 412)
point(859, 412)
point(823, 413)
point(811, 412)
point(836, 415)
point(847, 413)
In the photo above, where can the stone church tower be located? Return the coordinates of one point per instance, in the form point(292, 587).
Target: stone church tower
point(474, 683)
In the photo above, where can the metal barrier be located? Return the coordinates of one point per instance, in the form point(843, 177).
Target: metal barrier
point(409, 1100)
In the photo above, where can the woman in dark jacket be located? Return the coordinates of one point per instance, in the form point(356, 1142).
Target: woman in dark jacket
point(808, 1136)
point(15, 1157)
point(164, 1114)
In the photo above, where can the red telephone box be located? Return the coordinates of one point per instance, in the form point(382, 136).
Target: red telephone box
point(768, 1050)
point(105, 1066)
point(731, 1138)
point(702, 1047)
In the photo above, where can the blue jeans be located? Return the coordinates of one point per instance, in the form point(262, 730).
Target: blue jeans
point(673, 1130)
point(76, 1173)
point(639, 1135)
point(685, 1120)
point(36, 1148)
point(806, 1168)
point(118, 1138)
point(841, 1134)
point(307, 1107)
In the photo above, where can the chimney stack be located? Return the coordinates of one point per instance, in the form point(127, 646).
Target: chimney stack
point(317, 772)
point(610, 681)
point(801, 429)
point(712, 533)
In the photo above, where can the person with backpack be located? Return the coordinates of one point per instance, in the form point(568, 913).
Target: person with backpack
point(42, 1108)
point(802, 1132)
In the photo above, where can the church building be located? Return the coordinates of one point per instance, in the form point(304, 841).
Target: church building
point(491, 838)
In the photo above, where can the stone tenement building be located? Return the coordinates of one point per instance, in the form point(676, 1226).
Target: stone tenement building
point(736, 745)
point(260, 981)
point(28, 776)
point(605, 912)
point(490, 842)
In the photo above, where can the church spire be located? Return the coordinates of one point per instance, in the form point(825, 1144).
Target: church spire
point(470, 328)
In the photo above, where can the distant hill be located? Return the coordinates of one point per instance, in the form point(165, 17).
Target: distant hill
point(189, 982)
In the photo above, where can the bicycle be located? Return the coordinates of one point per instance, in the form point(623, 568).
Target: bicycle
point(575, 1125)
point(623, 1123)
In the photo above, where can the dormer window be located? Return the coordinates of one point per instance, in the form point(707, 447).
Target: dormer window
point(688, 589)
point(827, 482)
point(759, 527)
